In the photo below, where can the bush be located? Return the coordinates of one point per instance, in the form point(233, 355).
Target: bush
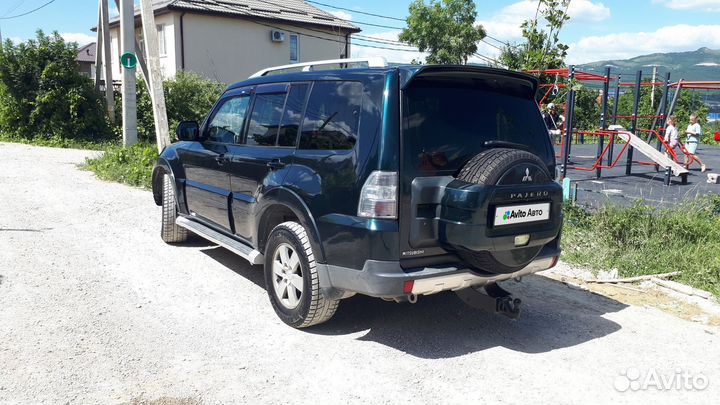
point(188, 97)
point(640, 240)
point(43, 96)
point(131, 165)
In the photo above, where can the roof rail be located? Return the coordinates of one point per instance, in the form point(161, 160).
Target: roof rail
point(372, 62)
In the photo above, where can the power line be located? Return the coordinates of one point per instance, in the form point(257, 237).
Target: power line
point(355, 11)
point(28, 12)
point(328, 14)
point(376, 39)
point(14, 7)
point(493, 45)
point(368, 39)
point(310, 29)
point(497, 40)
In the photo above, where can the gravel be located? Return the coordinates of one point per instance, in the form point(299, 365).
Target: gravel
point(95, 308)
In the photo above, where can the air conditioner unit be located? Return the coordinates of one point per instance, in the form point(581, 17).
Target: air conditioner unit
point(277, 36)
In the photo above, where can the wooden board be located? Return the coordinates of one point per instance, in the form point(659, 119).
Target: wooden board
point(654, 154)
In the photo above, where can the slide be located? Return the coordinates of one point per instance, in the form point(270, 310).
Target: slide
point(654, 154)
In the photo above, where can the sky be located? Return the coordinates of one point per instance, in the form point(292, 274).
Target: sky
point(597, 30)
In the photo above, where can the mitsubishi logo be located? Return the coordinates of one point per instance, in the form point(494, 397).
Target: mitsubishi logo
point(527, 176)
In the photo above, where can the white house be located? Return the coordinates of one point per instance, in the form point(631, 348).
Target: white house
point(228, 40)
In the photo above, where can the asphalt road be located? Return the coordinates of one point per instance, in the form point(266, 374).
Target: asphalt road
point(95, 308)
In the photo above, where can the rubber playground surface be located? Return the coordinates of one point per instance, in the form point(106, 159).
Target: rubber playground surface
point(643, 183)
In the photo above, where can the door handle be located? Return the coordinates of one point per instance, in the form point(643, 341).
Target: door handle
point(275, 164)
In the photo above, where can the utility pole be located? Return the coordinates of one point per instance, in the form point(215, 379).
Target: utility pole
point(127, 44)
point(98, 49)
point(140, 58)
point(107, 57)
point(154, 78)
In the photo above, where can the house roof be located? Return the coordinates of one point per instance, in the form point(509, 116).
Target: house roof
point(289, 11)
point(87, 53)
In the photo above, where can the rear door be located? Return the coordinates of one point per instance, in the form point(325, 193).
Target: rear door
point(207, 184)
point(449, 115)
point(261, 158)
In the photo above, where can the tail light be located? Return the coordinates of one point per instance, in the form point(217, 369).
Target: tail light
point(378, 198)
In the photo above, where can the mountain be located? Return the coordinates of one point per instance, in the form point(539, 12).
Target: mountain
point(702, 64)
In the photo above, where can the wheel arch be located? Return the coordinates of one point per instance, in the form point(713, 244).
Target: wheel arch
point(279, 205)
point(168, 163)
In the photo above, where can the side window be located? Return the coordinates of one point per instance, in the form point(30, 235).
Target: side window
point(227, 123)
point(332, 116)
point(293, 115)
point(265, 119)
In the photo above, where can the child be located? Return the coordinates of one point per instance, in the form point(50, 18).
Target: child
point(693, 132)
point(672, 137)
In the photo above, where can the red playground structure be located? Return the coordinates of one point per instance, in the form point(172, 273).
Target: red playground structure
point(609, 133)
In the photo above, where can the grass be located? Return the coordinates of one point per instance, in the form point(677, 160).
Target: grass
point(61, 143)
point(641, 240)
point(131, 165)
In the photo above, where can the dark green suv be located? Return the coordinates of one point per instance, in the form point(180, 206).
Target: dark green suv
point(393, 182)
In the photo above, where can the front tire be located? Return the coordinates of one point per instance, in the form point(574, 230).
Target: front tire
point(291, 278)
point(169, 231)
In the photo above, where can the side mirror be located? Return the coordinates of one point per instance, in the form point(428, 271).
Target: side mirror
point(188, 131)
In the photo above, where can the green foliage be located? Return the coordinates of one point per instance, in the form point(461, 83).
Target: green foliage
point(188, 97)
point(131, 165)
point(640, 240)
point(542, 48)
point(444, 28)
point(587, 109)
point(42, 95)
point(67, 143)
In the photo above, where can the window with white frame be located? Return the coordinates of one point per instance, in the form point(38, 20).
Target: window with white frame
point(294, 48)
point(162, 48)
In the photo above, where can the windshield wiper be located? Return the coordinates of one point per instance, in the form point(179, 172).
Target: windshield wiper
point(506, 144)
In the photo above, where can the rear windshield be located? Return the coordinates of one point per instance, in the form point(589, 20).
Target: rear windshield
point(446, 123)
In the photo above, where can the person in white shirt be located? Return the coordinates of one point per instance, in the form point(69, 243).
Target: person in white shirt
point(672, 136)
point(694, 133)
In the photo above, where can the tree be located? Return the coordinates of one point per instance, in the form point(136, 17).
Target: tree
point(188, 97)
point(541, 50)
point(43, 94)
point(444, 28)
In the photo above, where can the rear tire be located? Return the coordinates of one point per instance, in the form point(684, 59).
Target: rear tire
point(169, 231)
point(292, 280)
point(488, 167)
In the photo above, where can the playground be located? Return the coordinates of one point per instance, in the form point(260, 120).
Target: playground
point(626, 164)
point(643, 183)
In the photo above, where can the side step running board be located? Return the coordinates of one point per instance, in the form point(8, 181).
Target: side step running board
point(239, 248)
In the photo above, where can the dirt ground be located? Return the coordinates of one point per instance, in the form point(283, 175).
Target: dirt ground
point(96, 309)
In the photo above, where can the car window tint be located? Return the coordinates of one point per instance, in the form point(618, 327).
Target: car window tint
point(445, 124)
point(293, 115)
point(265, 119)
point(227, 123)
point(332, 116)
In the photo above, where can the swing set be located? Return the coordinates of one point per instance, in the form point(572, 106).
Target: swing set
point(607, 136)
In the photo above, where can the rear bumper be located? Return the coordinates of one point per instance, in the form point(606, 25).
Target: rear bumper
point(386, 279)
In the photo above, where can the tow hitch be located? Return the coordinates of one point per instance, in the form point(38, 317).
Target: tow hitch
point(494, 299)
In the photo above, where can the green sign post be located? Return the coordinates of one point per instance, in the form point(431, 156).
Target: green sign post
point(128, 60)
